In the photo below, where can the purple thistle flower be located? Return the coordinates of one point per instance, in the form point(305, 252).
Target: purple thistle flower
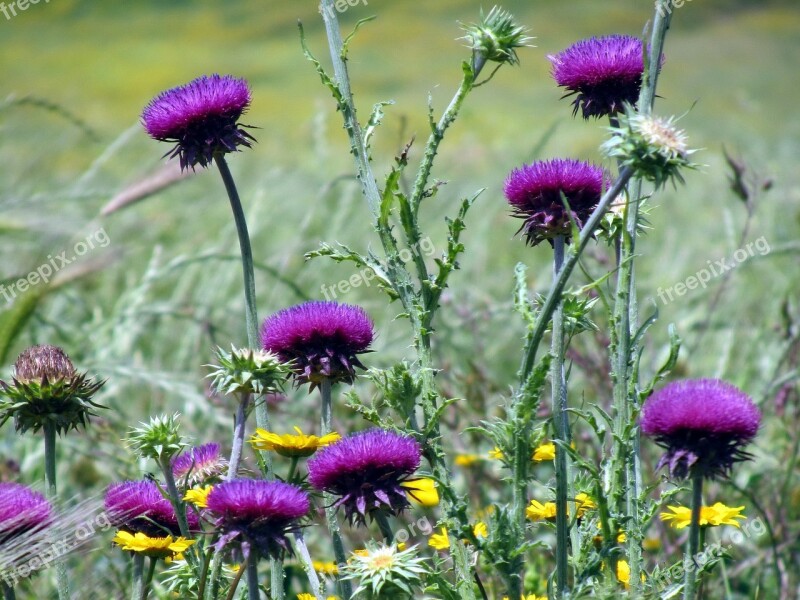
point(322, 338)
point(22, 511)
point(200, 117)
point(365, 470)
point(535, 194)
point(198, 464)
point(603, 73)
point(257, 513)
point(139, 506)
point(703, 424)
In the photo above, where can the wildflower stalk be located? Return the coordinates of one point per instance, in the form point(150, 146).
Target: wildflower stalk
point(138, 589)
point(175, 498)
point(689, 563)
point(383, 524)
point(308, 564)
point(253, 593)
point(49, 429)
point(561, 421)
point(345, 589)
point(239, 423)
point(626, 445)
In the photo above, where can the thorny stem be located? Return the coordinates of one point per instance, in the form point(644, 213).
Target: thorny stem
point(561, 421)
point(344, 586)
point(626, 451)
point(308, 564)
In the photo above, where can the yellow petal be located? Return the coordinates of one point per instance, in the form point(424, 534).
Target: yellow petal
point(422, 491)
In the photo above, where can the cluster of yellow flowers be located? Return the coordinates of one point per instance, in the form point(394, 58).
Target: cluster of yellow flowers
point(710, 516)
point(537, 511)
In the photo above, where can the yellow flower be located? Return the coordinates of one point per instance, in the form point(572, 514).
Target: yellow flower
point(496, 454)
point(198, 496)
point(584, 503)
point(289, 444)
point(529, 597)
point(166, 547)
point(544, 452)
point(362, 552)
point(480, 530)
point(307, 596)
point(651, 544)
point(537, 511)
point(422, 491)
point(624, 573)
point(325, 568)
point(466, 460)
point(439, 541)
point(710, 516)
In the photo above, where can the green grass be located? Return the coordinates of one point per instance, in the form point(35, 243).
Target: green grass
point(147, 321)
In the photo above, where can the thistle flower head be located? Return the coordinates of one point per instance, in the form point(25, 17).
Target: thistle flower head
point(536, 193)
point(199, 464)
point(159, 439)
point(366, 471)
point(496, 38)
point(47, 389)
point(704, 425)
point(248, 371)
point(200, 118)
point(139, 506)
point(22, 511)
point(256, 514)
point(653, 146)
point(322, 339)
point(603, 73)
point(386, 573)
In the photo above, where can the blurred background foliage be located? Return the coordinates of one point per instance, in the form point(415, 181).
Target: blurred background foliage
point(146, 311)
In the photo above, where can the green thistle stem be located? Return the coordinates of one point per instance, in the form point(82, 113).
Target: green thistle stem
point(139, 581)
point(174, 497)
point(561, 421)
point(308, 564)
point(689, 562)
point(383, 524)
point(344, 587)
point(8, 592)
point(49, 428)
point(253, 593)
point(239, 424)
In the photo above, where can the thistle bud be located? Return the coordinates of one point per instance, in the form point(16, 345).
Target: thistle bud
point(247, 371)
point(159, 439)
point(495, 38)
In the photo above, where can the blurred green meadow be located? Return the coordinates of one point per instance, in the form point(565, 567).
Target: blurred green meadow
point(146, 310)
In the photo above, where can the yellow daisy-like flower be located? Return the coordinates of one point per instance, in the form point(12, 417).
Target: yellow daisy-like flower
point(584, 502)
point(466, 460)
point(710, 516)
point(325, 567)
point(624, 573)
point(537, 511)
point(155, 547)
point(440, 541)
point(291, 445)
point(422, 491)
point(544, 452)
point(480, 530)
point(307, 596)
point(198, 496)
point(496, 454)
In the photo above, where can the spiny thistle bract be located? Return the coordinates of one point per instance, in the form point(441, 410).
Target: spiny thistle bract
point(603, 73)
point(140, 506)
point(256, 514)
point(158, 439)
point(536, 193)
point(248, 371)
point(46, 388)
point(201, 118)
point(366, 471)
point(322, 339)
point(653, 146)
point(496, 37)
point(385, 573)
point(704, 425)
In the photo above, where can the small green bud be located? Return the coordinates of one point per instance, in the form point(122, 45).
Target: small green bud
point(495, 38)
point(247, 371)
point(160, 439)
